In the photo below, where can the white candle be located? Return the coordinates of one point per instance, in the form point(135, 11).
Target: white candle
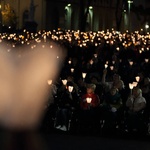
point(111, 67)
point(83, 75)
point(91, 61)
point(69, 62)
point(70, 88)
point(135, 84)
point(106, 66)
point(72, 70)
point(131, 86)
point(64, 82)
point(49, 82)
point(146, 60)
point(131, 63)
point(88, 100)
point(137, 78)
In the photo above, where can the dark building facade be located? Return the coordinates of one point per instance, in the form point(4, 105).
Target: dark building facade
point(84, 14)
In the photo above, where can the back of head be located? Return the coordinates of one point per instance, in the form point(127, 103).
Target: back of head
point(92, 86)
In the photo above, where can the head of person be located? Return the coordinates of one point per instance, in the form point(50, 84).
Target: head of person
point(91, 88)
point(113, 91)
point(146, 80)
point(94, 80)
point(116, 77)
point(69, 86)
point(136, 92)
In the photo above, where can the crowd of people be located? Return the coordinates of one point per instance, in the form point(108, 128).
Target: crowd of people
point(92, 90)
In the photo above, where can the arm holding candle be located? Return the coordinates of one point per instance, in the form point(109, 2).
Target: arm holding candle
point(89, 102)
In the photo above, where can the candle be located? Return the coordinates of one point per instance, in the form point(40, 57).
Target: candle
point(88, 100)
point(117, 48)
point(146, 60)
point(131, 63)
point(49, 82)
point(64, 82)
point(113, 62)
point(91, 61)
point(95, 55)
point(134, 84)
point(70, 88)
point(106, 66)
point(69, 62)
point(131, 86)
point(72, 70)
point(111, 67)
point(83, 75)
point(137, 78)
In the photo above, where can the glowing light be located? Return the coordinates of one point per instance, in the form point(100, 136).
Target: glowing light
point(90, 7)
point(72, 70)
point(135, 84)
point(49, 82)
point(106, 66)
point(70, 88)
point(111, 67)
point(88, 100)
point(137, 78)
point(130, 62)
point(64, 82)
point(69, 62)
point(146, 60)
point(95, 55)
point(84, 75)
point(131, 86)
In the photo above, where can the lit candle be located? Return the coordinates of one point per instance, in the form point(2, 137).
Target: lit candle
point(137, 78)
point(111, 67)
point(72, 70)
point(70, 88)
point(64, 82)
point(146, 60)
point(106, 66)
point(88, 100)
point(83, 75)
point(91, 62)
point(44, 38)
point(95, 55)
point(135, 84)
point(69, 62)
point(131, 86)
point(107, 62)
point(131, 63)
point(113, 62)
point(49, 82)
point(117, 48)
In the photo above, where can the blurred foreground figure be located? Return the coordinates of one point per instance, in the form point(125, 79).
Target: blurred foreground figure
point(24, 90)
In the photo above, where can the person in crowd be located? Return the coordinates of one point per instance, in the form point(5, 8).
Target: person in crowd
point(112, 109)
point(50, 107)
point(62, 86)
point(82, 86)
point(89, 106)
point(99, 88)
point(135, 104)
point(145, 87)
point(68, 102)
point(116, 82)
